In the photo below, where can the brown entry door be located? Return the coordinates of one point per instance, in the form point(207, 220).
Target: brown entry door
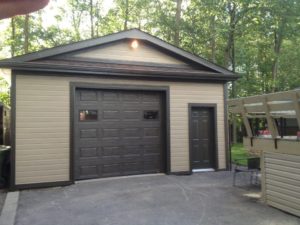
point(202, 137)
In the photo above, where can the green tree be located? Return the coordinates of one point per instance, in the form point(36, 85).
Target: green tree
point(4, 92)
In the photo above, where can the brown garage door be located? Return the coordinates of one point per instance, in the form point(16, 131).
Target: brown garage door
point(118, 133)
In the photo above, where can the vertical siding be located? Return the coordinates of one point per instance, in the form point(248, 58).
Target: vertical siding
point(43, 127)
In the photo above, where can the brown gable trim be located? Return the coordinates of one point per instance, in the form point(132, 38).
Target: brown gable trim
point(128, 34)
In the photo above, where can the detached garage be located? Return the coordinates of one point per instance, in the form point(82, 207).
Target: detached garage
point(123, 104)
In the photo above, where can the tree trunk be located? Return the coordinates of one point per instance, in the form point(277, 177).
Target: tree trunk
point(177, 23)
point(278, 38)
point(229, 58)
point(92, 18)
point(26, 34)
point(126, 15)
point(213, 38)
point(13, 37)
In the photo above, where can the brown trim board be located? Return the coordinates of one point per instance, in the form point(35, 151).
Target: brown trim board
point(130, 73)
point(42, 185)
point(226, 127)
point(204, 105)
point(88, 74)
point(77, 85)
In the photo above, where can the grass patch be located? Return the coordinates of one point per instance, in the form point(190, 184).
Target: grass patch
point(238, 152)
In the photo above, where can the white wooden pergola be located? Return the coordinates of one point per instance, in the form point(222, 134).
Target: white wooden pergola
point(280, 155)
point(269, 106)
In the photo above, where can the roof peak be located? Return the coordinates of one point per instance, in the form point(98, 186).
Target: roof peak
point(133, 33)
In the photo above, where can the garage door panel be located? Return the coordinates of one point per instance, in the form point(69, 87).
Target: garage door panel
point(130, 97)
point(110, 106)
point(89, 171)
point(113, 150)
point(131, 132)
point(123, 124)
point(110, 132)
point(110, 142)
point(88, 125)
point(111, 169)
point(87, 142)
point(88, 95)
point(151, 132)
point(131, 114)
point(125, 137)
point(149, 139)
point(111, 115)
point(88, 152)
point(152, 158)
point(109, 96)
point(151, 167)
point(89, 161)
point(152, 148)
point(132, 168)
point(88, 133)
point(87, 104)
point(110, 159)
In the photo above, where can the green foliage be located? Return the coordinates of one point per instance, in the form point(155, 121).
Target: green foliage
point(4, 92)
point(258, 39)
point(238, 152)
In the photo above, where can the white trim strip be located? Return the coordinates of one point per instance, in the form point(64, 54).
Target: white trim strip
point(203, 170)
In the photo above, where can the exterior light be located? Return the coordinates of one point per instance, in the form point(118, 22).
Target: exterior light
point(134, 44)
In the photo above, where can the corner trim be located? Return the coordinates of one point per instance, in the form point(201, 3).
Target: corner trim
point(71, 137)
point(12, 179)
point(226, 127)
point(204, 105)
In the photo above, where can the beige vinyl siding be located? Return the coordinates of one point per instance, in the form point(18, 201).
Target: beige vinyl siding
point(123, 52)
point(43, 123)
point(282, 181)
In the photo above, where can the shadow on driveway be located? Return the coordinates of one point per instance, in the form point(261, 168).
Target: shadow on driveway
point(204, 199)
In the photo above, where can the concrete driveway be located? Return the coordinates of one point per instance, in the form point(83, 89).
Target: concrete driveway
point(2, 198)
point(204, 199)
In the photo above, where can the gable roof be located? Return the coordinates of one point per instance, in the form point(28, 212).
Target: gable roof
point(38, 60)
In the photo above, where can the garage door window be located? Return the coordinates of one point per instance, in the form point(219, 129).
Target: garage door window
point(151, 115)
point(88, 115)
